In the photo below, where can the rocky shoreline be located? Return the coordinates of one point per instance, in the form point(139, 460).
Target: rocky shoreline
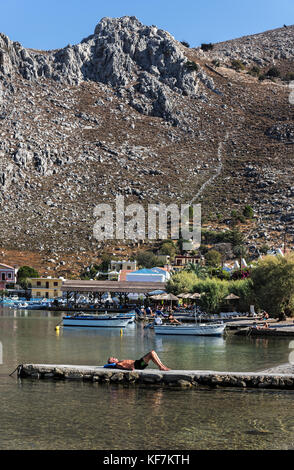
point(281, 377)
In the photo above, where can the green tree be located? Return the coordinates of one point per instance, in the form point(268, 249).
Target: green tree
point(236, 237)
point(198, 269)
point(105, 263)
point(147, 259)
point(273, 284)
point(182, 281)
point(24, 273)
point(168, 248)
point(213, 258)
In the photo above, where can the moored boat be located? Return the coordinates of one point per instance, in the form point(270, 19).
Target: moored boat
point(118, 321)
point(213, 329)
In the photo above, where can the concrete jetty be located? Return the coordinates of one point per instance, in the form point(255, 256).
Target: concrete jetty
point(282, 379)
point(267, 332)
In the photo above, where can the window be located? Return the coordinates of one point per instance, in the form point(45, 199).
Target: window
point(8, 275)
point(39, 283)
point(55, 284)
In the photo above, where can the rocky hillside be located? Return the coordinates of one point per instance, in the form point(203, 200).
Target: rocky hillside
point(132, 111)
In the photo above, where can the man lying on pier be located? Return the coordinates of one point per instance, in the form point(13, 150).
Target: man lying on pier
point(139, 364)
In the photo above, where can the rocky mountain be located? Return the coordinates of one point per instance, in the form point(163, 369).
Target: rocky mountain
point(132, 111)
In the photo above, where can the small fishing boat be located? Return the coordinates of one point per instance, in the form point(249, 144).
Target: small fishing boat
point(117, 321)
point(213, 329)
point(131, 316)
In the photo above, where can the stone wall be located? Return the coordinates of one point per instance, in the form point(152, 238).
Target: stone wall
point(173, 378)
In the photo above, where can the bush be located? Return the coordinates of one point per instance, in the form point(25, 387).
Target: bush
point(273, 72)
point(248, 212)
point(216, 63)
point(192, 66)
point(185, 43)
point(207, 47)
point(214, 236)
point(237, 65)
point(289, 77)
point(254, 71)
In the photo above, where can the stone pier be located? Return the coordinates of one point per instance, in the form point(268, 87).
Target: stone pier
point(272, 379)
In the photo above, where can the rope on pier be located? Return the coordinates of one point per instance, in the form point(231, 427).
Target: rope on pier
point(15, 371)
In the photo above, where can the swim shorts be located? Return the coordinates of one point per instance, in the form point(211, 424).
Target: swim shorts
point(140, 364)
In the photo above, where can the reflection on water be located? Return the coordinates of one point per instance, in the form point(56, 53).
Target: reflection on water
point(78, 415)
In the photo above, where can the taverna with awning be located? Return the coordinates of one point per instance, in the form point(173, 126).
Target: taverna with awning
point(120, 288)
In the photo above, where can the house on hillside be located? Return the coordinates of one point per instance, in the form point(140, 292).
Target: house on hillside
point(182, 261)
point(120, 268)
point(116, 265)
point(7, 275)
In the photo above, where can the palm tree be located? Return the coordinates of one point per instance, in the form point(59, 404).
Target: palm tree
point(200, 271)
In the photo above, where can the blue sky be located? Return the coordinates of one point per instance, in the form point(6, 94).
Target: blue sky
point(53, 24)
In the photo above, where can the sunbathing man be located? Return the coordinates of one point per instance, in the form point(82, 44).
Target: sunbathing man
point(140, 364)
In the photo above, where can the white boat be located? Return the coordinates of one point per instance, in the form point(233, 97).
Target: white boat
point(119, 321)
point(198, 329)
point(131, 316)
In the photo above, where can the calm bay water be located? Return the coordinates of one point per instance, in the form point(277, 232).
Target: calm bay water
point(76, 415)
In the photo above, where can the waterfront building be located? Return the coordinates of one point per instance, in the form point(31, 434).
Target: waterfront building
point(49, 288)
point(7, 275)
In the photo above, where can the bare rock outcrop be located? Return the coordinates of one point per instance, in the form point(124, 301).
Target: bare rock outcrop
point(122, 53)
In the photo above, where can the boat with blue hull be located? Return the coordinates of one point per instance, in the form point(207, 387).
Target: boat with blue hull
point(98, 321)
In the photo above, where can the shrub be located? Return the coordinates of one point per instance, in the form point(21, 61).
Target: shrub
point(289, 77)
point(185, 43)
point(207, 47)
point(273, 72)
point(216, 63)
point(248, 212)
point(254, 71)
point(214, 236)
point(190, 65)
point(237, 65)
